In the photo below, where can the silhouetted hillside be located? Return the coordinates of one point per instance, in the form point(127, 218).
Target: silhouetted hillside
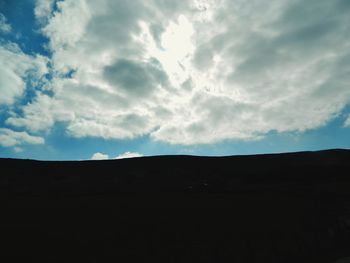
point(292, 207)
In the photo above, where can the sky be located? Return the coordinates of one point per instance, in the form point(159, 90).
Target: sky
point(87, 79)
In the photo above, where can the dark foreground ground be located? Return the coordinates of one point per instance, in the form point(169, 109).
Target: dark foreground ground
point(267, 208)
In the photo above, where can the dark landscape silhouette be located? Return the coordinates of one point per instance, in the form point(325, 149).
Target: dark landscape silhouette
point(292, 207)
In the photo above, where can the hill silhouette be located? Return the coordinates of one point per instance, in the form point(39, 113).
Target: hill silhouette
point(292, 207)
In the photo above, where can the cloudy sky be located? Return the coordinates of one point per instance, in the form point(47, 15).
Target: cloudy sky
point(82, 79)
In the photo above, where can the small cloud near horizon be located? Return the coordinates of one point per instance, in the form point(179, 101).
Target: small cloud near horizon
point(99, 156)
point(129, 155)
point(102, 156)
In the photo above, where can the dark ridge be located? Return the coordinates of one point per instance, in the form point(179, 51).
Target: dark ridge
point(275, 208)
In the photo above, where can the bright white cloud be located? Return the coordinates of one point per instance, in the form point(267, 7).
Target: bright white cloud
point(129, 155)
point(15, 66)
point(196, 71)
point(67, 26)
point(9, 138)
point(4, 26)
point(99, 156)
point(102, 156)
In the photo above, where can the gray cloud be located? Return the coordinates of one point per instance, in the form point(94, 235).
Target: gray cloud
point(137, 78)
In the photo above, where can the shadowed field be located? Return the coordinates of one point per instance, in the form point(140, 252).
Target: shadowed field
point(279, 208)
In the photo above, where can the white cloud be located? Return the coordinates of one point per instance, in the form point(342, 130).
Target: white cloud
point(188, 72)
point(67, 25)
point(18, 149)
point(128, 155)
point(102, 156)
point(99, 156)
point(38, 115)
point(43, 9)
point(4, 26)
point(347, 122)
point(15, 66)
point(9, 138)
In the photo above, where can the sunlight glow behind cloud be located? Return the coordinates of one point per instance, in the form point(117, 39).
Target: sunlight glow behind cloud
point(182, 72)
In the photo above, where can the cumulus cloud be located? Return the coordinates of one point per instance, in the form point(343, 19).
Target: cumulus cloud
point(196, 71)
point(9, 138)
point(43, 9)
point(129, 155)
point(99, 156)
point(4, 26)
point(15, 68)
